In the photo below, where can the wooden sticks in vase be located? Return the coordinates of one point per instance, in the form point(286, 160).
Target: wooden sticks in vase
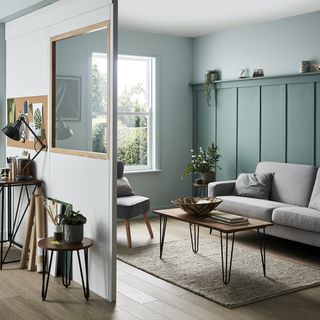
point(36, 230)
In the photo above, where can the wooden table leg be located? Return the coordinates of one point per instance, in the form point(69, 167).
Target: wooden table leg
point(147, 221)
point(127, 223)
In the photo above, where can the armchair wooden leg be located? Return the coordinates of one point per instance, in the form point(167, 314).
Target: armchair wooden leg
point(127, 223)
point(147, 221)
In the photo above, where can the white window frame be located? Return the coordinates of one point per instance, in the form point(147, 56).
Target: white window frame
point(152, 114)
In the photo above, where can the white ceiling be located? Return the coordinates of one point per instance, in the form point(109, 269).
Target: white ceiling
point(13, 9)
point(183, 17)
point(200, 17)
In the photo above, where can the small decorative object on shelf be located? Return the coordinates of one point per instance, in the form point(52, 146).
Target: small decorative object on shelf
point(315, 67)
point(258, 73)
point(304, 66)
point(204, 163)
point(210, 77)
point(243, 73)
point(72, 222)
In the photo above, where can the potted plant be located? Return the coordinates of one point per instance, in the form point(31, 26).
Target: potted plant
point(205, 163)
point(72, 222)
point(209, 78)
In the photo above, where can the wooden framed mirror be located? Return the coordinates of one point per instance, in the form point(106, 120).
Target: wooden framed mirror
point(80, 84)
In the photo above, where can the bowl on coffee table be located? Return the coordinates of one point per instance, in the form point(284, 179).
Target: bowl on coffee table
point(197, 206)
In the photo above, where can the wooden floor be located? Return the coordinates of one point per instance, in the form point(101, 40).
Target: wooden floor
point(142, 296)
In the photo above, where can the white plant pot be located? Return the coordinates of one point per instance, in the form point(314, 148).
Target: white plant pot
point(38, 132)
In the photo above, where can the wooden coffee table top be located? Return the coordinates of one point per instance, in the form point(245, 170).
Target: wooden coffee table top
point(181, 215)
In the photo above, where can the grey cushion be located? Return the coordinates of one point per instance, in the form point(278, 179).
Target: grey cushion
point(130, 207)
point(297, 217)
point(120, 168)
point(292, 183)
point(249, 207)
point(254, 185)
point(124, 188)
point(315, 196)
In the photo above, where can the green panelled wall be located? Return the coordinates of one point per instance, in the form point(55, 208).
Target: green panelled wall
point(263, 119)
point(273, 115)
point(227, 131)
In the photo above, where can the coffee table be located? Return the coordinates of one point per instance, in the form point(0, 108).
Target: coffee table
point(224, 229)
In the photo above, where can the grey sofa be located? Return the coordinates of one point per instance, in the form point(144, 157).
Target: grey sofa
point(294, 205)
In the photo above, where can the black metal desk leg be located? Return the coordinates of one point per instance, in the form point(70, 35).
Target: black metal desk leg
point(226, 262)
point(45, 282)
point(262, 242)
point(2, 229)
point(66, 273)
point(163, 226)
point(86, 291)
point(194, 237)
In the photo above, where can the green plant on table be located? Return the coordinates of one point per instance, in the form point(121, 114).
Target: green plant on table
point(72, 218)
point(204, 161)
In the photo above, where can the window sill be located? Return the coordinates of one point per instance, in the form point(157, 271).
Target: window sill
point(142, 171)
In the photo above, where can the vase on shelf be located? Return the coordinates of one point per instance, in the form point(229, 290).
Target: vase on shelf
point(207, 177)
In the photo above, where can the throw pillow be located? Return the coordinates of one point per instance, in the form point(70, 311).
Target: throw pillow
point(254, 185)
point(315, 203)
point(123, 188)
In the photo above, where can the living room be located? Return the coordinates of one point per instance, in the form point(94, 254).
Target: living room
point(274, 37)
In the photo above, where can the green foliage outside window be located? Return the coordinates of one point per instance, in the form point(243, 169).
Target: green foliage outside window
point(132, 129)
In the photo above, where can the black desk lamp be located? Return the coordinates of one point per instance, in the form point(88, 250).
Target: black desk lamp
point(13, 132)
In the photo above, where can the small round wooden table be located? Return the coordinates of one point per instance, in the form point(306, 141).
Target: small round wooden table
point(49, 244)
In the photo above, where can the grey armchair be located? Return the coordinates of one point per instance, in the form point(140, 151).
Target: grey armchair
point(130, 206)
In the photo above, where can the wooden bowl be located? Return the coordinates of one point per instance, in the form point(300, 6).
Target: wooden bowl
point(191, 205)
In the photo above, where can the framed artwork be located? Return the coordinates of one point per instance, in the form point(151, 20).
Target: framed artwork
point(68, 98)
point(11, 111)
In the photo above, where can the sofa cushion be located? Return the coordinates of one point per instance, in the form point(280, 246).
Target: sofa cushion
point(130, 207)
point(253, 185)
point(249, 207)
point(124, 188)
point(297, 217)
point(315, 196)
point(292, 183)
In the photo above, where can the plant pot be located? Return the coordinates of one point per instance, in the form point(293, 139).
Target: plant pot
point(73, 233)
point(207, 176)
point(38, 132)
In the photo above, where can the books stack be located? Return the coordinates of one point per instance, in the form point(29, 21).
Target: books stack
point(228, 218)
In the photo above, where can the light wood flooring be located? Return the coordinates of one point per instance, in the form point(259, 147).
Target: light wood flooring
point(142, 296)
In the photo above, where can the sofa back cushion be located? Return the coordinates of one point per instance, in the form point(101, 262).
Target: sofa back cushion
point(315, 196)
point(292, 183)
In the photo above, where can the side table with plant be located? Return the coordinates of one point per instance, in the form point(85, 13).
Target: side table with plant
point(204, 163)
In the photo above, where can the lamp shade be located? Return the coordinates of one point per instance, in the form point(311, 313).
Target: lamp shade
point(13, 131)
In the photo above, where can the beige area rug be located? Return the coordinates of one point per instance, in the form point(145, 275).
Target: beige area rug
point(201, 273)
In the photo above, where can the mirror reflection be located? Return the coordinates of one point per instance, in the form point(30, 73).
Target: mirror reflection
point(81, 92)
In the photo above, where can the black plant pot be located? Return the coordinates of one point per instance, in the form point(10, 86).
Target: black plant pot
point(73, 233)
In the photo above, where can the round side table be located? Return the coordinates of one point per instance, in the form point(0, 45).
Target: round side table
point(49, 244)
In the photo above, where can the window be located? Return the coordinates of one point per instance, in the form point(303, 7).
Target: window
point(99, 101)
point(136, 112)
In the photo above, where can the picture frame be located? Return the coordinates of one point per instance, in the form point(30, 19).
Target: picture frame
point(258, 73)
point(11, 111)
point(68, 98)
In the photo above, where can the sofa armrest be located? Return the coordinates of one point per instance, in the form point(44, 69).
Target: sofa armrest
point(221, 188)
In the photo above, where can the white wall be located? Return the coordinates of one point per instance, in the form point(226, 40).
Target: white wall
point(2, 93)
point(84, 182)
